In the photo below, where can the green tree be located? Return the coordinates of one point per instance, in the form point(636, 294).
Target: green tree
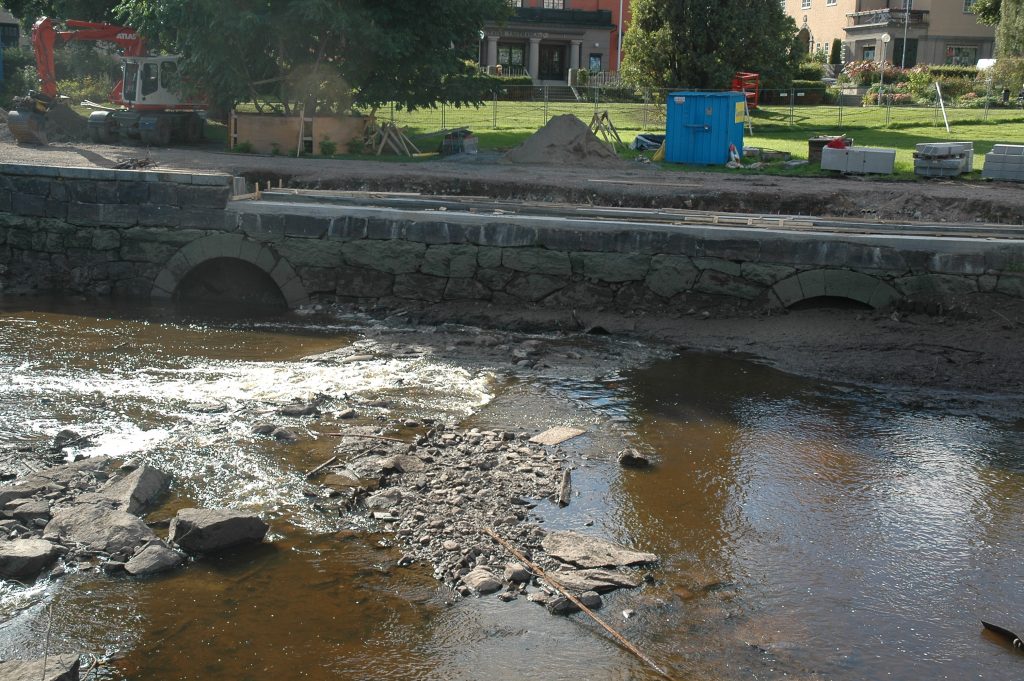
point(1010, 30)
point(88, 10)
point(329, 53)
point(987, 11)
point(702, 43)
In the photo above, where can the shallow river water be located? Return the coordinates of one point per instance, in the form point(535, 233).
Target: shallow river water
point(806, 531)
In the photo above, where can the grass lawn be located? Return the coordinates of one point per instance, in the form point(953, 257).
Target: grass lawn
point(502, 125)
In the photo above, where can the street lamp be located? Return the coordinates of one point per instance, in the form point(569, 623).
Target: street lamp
point(618, 57)
point(881, 73)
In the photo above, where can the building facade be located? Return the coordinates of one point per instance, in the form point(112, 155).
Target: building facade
point(10, 31)
point(920, 31)
point(546, 38)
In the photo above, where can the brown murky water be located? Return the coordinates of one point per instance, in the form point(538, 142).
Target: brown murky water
point(807, 531)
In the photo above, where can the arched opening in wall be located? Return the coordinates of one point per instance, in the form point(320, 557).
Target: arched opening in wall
point(829, 303)
point(232, 285)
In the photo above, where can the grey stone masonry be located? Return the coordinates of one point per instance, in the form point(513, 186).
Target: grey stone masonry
point(1005, 162)
point(140, 233)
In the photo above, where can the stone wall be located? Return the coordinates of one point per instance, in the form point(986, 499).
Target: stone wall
point(139, 234)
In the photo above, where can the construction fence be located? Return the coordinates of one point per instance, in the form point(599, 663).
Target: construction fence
point(531, 107)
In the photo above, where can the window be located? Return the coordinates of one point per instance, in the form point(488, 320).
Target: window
point(805, 4)
point(511, 55)
point(898, 54)
point(867, 53)
point(962, 55)
point(150, 83)
point(554, 4)
point(830, 3)
point(515, 3)
point(169, 75)
point(968, 6)
point(594, 66)
point(8, 35)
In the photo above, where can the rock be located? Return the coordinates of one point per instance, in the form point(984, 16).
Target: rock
point(591, 599)
point(450, 545)
point(382, 501)
point(560, 605)
point(628, 613)
point(517, 572)
point(31, 511)
point(113, 567)
point(135, 492)
point(285, 435)
point(10, 493)
point(357, 358)
point(264, 428)
point(61, 439)
point(601, 581)
point(403, 463)
point(57, 668)
point(481, 580)
point(207, 407)
point(24, 559)
point(98, 528)
point(347, 413)
point(199, 530)
point(631, 458)
point(301, 409)
point(591, 552)
point(153, 558)
point(342, 479)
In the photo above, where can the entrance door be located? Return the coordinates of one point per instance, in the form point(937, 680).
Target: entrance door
point(552, 63)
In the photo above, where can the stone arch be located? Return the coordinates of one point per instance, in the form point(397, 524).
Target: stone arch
point(805, 39)
point(234, 246)
point(834, 283)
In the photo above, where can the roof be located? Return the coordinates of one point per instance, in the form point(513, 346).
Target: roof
point(6, 17)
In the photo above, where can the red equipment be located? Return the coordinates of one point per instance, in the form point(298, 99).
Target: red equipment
point(750, 85)
point(46, 38)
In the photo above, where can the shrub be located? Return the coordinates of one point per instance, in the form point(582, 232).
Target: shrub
point(808, 85)
point(327, 147)
point(242, 148)
point(836, 55)
point(951, 71)
point(808, 71)
point(94, 88)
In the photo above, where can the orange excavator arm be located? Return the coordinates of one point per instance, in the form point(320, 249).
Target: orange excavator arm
point(46, 38)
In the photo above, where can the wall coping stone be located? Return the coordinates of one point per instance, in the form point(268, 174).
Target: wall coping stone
point(81, 173)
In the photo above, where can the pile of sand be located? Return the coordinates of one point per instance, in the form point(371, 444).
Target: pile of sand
point(565, 140)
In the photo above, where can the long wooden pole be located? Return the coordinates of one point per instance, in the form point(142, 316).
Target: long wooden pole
point(575, 601)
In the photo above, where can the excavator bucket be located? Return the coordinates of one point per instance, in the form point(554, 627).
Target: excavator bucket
point(28, 127)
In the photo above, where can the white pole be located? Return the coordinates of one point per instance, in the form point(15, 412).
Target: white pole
point(618, 56)
point(907, 4)
point(945, 119)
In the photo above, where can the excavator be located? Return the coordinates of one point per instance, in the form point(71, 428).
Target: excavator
point(149, 107)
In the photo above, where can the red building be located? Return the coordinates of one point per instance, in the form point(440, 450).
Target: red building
point(547, 38)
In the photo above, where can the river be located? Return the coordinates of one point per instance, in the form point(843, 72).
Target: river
point(806, 530)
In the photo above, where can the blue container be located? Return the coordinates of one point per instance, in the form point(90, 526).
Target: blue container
point(701, 125)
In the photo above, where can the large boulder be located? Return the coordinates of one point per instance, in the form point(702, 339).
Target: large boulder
point(201, 530)
point(481, 580)
point(600, 581)
point(97, 527)
point(49, 668)
point(24, 559)
point(134, 492)
point(591, 552)
point(153, 558)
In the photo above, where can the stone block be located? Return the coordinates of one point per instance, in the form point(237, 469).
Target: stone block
point(935, 286)
point(27, 169)
point(36, 186)
point(306, 226)
point(135, 193)
point(716, 282)
point(812, 283)
point(211, 179)
point(283, 272)
point(6, 200)
point(729, 267)
point(852, 285)
point(450, 260)
point(987, 283)
point(420, 287)
point(146, 251)
point(201, 218)
point(393, 257)
point(58, 190)
point(310, 253)
point(788, 291)
point(436, 232)
point(507, 235)
point(488, 257)
point(885, 296)
point(765, 274)
point(385, 228)
point(495, 279)
point(1011, 285)
point(263, 227)
point(354, 282)
point(466, 289)
point(156, 215)
point(203, 196)
point(163, 194)
point(166, 282)
point(294, 293)
point(537, 261)
point(733, 249)
point(611, 267)
point(534, 287)
point(958, 263)
point(56, 209)
point(586, 295)
point(347, 228)
point(671, 274)
point(29, 204)
point(318, 279)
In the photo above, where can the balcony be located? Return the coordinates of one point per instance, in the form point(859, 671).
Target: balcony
point(600, 18)
point(888, 17)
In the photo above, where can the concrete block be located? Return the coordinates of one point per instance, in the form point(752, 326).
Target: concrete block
point(384, 228)
point(506, 235)
point(136, 193)
point(151, 215)
point(848, 284)
point(39, 186)
point(202, 196)
point(163, 194)
point(1009, 149)
point(788, 291)
point(29, 204)
point(347, 228)
point(436, 232)
point(24, 169)
point(212, 180)
point(5, 200)
point(812, 283)
point(201, 218)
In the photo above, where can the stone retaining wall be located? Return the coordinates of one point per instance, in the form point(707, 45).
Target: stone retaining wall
point(138, 234)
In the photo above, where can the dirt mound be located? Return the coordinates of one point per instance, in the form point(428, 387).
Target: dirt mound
point(565, 140)
point(64, 124)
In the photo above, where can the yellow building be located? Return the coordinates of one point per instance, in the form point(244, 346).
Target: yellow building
point(935, 31)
